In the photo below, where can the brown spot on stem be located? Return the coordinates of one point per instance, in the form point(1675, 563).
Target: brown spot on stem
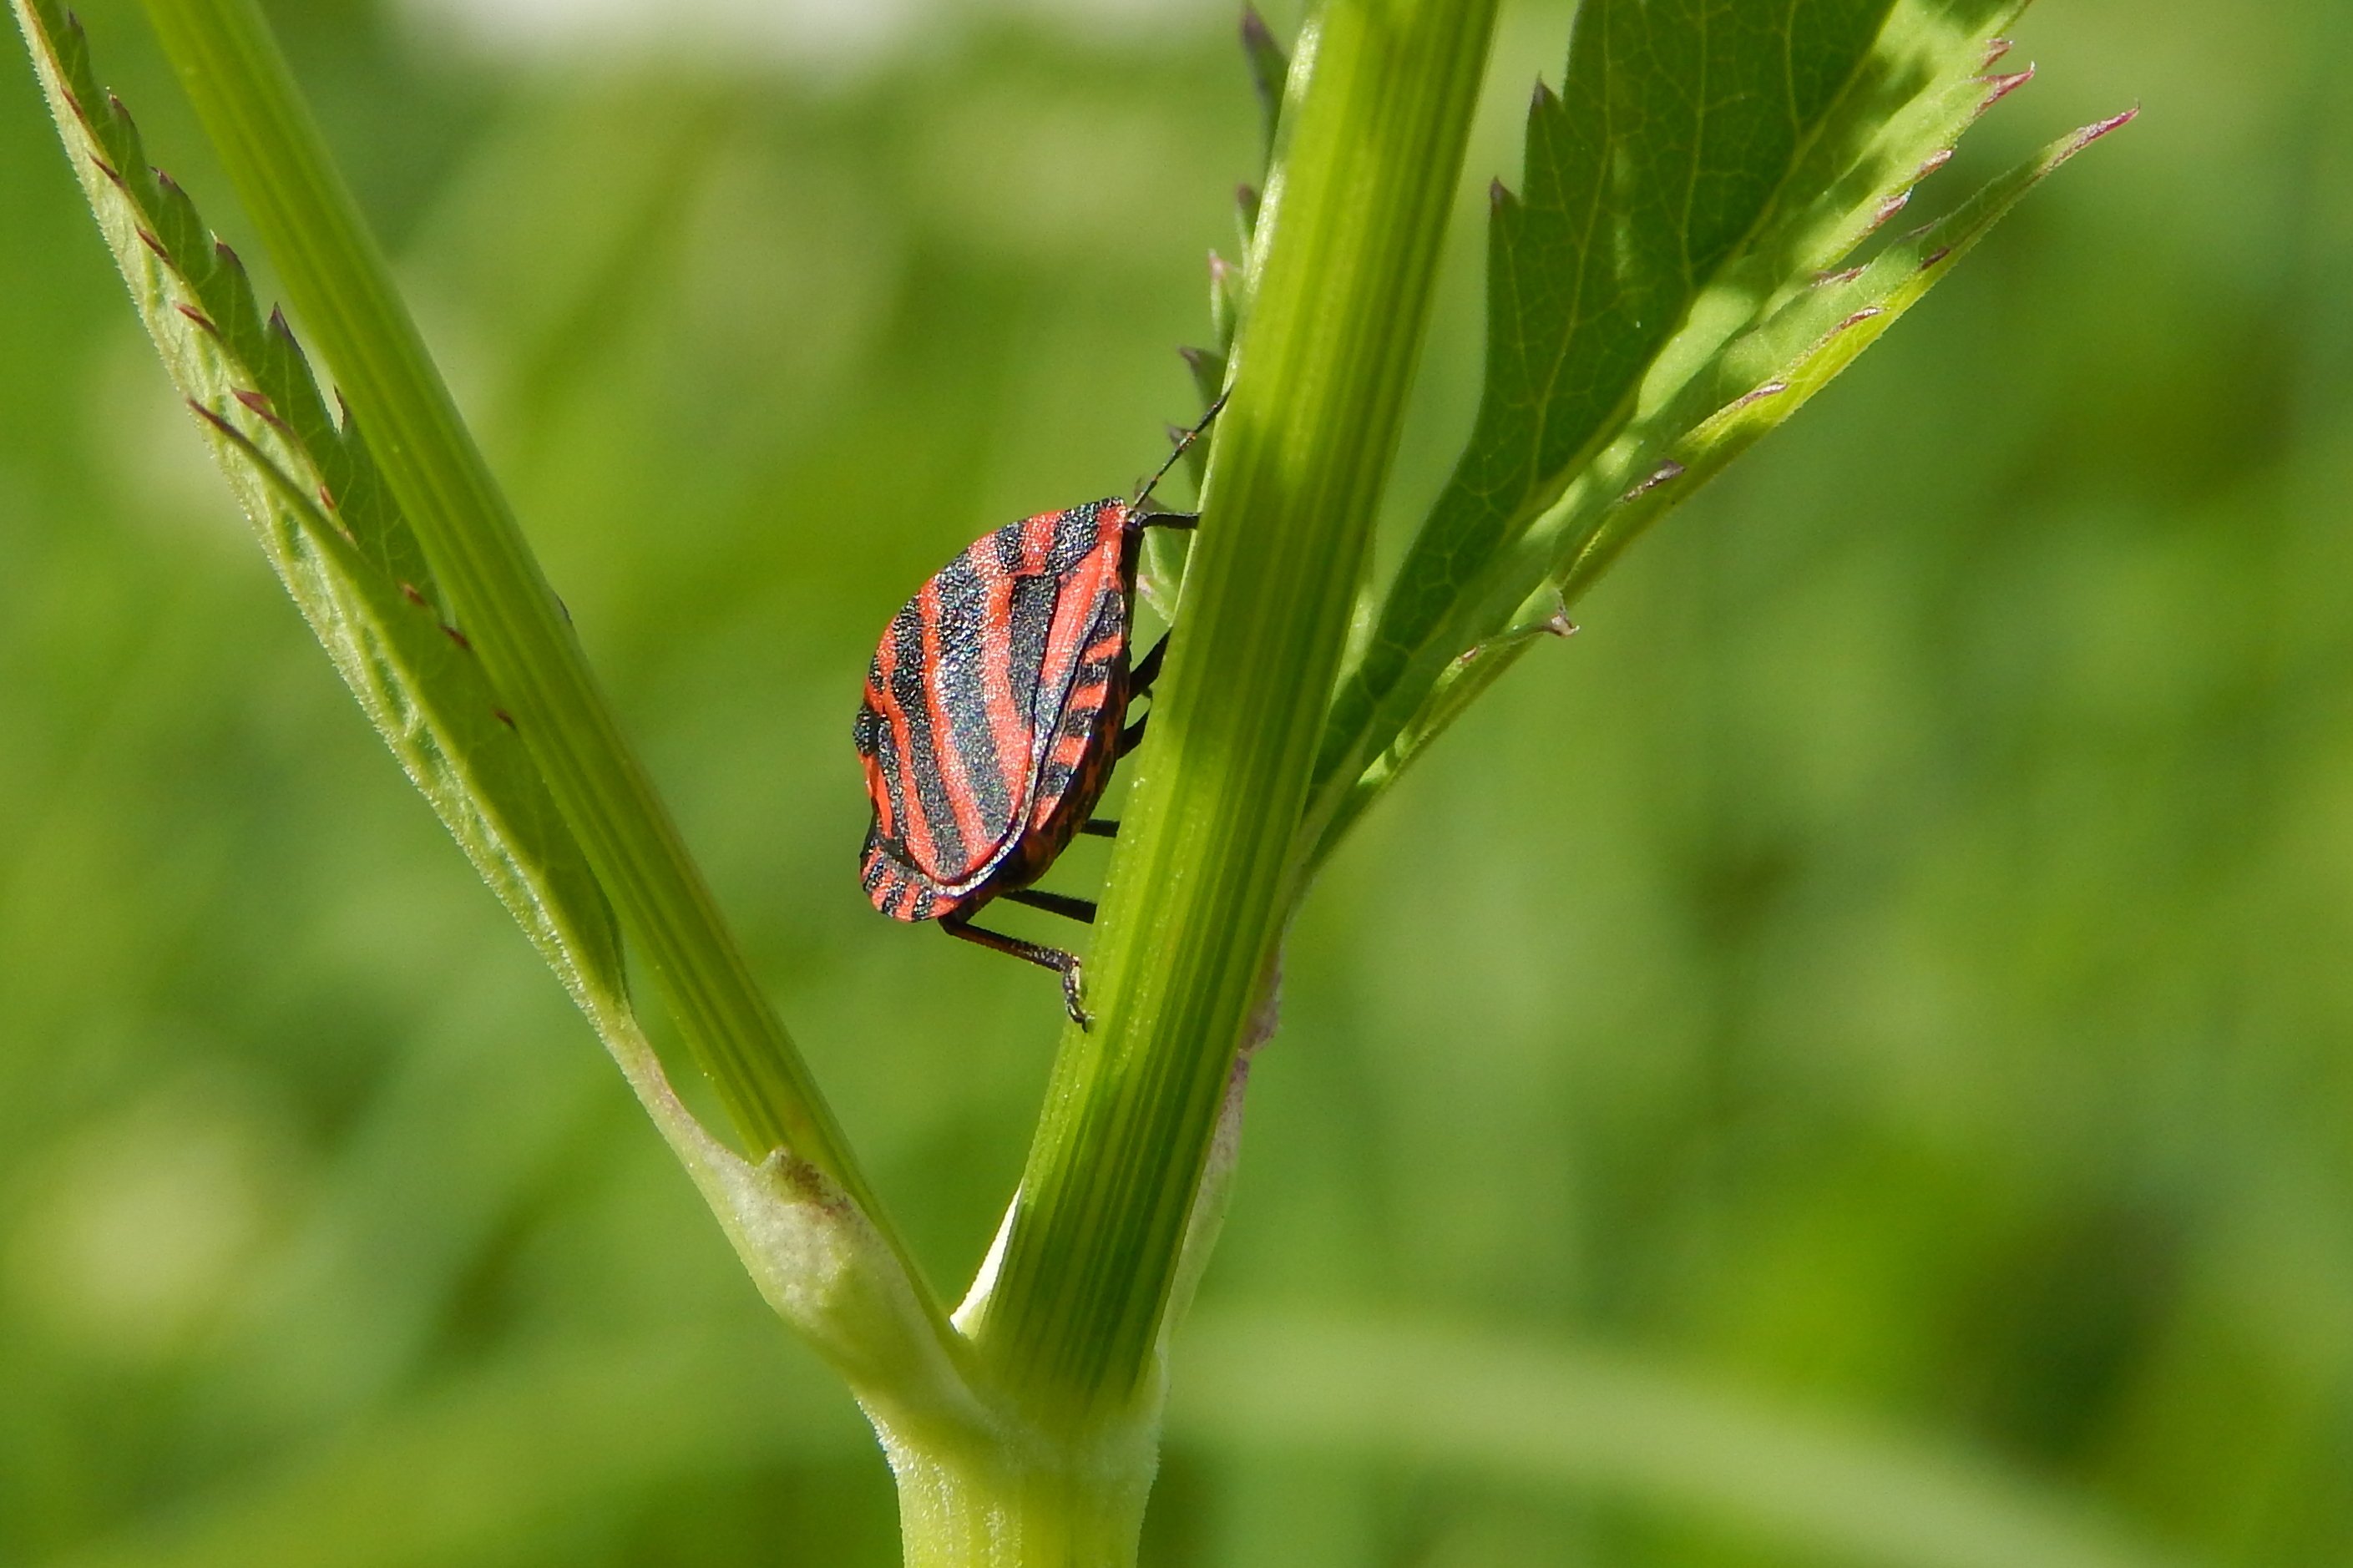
point(1665, 473)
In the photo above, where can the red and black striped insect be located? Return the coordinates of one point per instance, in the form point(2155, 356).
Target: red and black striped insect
point(996, 708)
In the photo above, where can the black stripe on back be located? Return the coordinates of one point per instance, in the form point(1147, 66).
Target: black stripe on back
point(894, 776)
point(1111, 618)
point(1074, 535)
point(961, 677)
point(1031, 622)
point(1011, 541)
point(922, 764)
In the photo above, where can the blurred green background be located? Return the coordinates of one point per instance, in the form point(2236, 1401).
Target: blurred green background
point(1846, 1060)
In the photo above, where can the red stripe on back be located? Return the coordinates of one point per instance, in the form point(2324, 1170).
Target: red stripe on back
point(912, 830)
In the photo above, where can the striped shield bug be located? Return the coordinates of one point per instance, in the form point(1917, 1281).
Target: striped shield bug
point(994, 710)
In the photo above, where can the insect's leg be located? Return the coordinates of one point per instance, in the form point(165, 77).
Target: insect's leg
point(1147, 670)
point(1132, 736)
point(1069, 909)
point(1101, 827)
point(1183, 521)
point(1062, 963)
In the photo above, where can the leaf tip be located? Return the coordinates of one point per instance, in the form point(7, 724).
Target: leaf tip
point(2097, 129)
point(1499, 196)
point(2000, 86)
point(199, 317)
point(1994, 49)
point(1543, 98)
point(1257, 37)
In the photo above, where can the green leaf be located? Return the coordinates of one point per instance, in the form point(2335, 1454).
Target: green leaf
point(329, 527)
point(1749, 387)
point(1661, 229)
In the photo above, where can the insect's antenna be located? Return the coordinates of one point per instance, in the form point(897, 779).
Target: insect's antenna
point(1182, 443)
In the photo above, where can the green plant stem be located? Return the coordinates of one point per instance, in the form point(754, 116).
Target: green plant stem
point(232, 69)
point(1346, 249)
point(963, 1509)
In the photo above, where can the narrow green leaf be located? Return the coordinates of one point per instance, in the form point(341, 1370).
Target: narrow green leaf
point(228, 60)
point(1658, 225)
point(329, 525)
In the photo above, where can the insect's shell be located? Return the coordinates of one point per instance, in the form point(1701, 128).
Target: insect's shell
point(993, 709)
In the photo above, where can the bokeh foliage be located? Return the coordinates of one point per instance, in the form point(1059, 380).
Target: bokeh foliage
point(1881, 971)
